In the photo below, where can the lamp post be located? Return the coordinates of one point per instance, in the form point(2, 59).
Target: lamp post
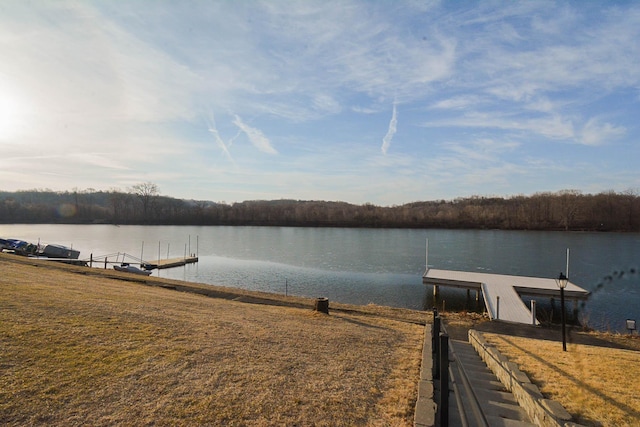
point(562, 281)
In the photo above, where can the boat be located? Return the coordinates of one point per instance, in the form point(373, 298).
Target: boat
point(59, 251)
point(4, 244)
point(19, 247)
point(127, 268)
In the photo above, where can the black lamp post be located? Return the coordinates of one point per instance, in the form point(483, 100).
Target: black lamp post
point(562, 281)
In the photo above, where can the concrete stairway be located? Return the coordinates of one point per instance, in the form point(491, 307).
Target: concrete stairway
point(498, 406)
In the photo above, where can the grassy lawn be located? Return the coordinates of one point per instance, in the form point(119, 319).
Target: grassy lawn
point(597, 385)
point(85, 349)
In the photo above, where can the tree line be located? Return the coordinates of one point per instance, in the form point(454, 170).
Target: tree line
point(143, 204)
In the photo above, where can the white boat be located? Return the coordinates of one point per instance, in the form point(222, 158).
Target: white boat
point(131, 269)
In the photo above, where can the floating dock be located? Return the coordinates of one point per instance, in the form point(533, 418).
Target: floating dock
point(146, 265)
point(502, 293)
point(173, 262)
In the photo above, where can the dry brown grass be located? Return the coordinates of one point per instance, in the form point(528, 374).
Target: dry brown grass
point(78, 349)
point(597, 385)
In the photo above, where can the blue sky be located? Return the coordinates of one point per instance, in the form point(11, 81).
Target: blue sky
point(386, 102)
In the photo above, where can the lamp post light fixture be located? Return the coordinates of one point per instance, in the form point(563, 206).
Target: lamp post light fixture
point(562, 282)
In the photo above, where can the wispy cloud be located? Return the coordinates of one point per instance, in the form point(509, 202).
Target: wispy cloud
point(482, 87)
point(457, 102)
point(326, 104)
point(596, 133)
point(393, 127)
point(256, 137)
point(482, 149)
point(103, 160)
point(550, 126)
point(364, 110)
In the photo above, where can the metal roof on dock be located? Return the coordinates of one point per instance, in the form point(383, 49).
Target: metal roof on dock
point(508, 288)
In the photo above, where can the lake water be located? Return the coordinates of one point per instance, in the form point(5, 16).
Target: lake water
point(361, 266)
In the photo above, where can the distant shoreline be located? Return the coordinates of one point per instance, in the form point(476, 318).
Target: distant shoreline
point(567, 210)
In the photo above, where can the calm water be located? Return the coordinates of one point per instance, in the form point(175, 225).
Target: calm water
point(360, 266)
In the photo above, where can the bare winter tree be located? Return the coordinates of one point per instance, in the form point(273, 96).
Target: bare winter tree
point(146, 192)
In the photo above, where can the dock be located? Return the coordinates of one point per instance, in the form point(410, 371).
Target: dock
point(172, 262)
point(503, 293)
point(123, 258)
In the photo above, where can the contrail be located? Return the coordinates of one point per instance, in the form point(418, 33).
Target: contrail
point(393, 126)
point(256, 136)
point(216, 136)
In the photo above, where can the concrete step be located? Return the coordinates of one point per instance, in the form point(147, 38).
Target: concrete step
point(499, 407)
point(503, 422)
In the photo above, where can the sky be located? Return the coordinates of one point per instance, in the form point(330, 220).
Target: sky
point(383, 102)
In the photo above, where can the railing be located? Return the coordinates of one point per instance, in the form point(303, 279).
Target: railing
point(443, 371)
point(440, 349)
point(126, 258)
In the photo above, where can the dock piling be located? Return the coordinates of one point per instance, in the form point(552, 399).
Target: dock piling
point(533, 312)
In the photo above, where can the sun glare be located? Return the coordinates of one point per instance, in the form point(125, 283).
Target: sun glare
point(12, 115)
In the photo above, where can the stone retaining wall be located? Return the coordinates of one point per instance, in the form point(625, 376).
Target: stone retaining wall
point(425, 414)
point(543, 412)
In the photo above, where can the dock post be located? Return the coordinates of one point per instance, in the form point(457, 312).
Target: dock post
point(435, 291)
point(498, 308)
point(477, 295)
point(533, 312)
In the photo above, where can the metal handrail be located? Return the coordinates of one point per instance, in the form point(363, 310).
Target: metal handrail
point(476, 409)
point(456, 393)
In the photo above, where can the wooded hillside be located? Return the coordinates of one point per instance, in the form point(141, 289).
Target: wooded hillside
point(142, 204)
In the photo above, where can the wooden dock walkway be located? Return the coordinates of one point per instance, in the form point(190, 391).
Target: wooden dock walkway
point(173, 262)
point(503, 293)
point(124, 258)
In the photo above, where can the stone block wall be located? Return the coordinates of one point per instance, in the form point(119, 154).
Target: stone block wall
point(543, 412)
point(425, 414)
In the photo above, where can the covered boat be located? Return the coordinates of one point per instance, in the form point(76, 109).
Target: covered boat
point(17, 246)
point(131, 269)
point(59, 251)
